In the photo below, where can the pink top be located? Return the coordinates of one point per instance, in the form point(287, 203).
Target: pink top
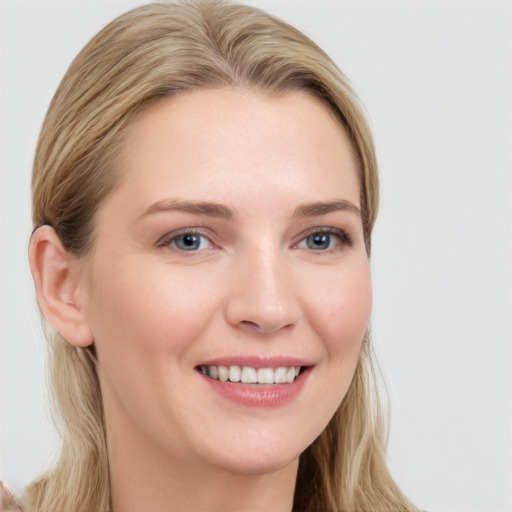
point(8, 503)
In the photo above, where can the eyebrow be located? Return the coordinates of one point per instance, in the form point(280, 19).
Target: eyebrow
point(323, 208)
point(212, 209)
point(194, 207)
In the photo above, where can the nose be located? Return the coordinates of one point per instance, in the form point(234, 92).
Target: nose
point(263, 297)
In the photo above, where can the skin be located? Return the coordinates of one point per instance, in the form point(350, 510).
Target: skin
point(256, 285)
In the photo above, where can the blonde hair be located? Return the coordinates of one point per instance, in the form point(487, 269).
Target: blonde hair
point(148, 54)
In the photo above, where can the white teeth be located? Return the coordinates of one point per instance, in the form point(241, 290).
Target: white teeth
point(223, 373)
point(234, 373)
point(250, 375)
point(214, 373)
point(280, 375)
point(266, 376)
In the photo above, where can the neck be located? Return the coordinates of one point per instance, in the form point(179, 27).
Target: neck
point(145, 478)
point(137, 487)
point(175, 492)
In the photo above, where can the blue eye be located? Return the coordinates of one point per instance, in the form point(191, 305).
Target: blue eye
point(319, 241)
point(325, 240)
point(188, 241)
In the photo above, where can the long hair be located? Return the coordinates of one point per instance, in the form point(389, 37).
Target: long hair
point(146, 55)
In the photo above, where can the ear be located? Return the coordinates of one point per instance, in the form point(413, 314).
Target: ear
point(56, 274)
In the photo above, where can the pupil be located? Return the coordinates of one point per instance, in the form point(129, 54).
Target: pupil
point(189, 241)
point(320, 241)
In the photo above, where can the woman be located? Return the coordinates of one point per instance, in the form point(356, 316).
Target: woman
point(204, 192)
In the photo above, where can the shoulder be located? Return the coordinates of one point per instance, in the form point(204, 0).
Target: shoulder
point(8, 502)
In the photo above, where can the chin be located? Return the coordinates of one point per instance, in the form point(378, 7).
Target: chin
point(258, 454)
point(258, 464)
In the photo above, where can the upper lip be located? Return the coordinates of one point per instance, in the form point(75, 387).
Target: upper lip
point(257, 361)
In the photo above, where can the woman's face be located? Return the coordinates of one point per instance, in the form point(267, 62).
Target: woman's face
point(233, 241)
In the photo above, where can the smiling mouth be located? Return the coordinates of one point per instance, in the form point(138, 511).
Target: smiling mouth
point(251, 375)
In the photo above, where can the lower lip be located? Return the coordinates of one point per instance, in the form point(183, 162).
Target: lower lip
point(258, 395)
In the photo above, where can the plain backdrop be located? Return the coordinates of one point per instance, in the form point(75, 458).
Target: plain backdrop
point(435, 79)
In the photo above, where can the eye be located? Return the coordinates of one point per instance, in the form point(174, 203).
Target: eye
point(319, 241)
point(189, 241)
point(325, 239)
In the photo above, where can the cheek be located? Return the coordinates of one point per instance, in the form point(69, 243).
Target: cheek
point(341, 314)
point(146, 326)
point(143, 311)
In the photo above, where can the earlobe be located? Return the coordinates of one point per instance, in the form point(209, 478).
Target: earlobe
point(56, 274)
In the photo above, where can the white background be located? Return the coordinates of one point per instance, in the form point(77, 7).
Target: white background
point(435, 78)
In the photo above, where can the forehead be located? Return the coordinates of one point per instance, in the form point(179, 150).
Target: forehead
point(240, 138)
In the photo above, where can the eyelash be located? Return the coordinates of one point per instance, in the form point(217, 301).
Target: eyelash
point(171, 238)
point(341, 235)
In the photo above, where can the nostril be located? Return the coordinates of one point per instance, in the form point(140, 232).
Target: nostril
point(249, 323)
point(264, 327)
point(262, 309)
